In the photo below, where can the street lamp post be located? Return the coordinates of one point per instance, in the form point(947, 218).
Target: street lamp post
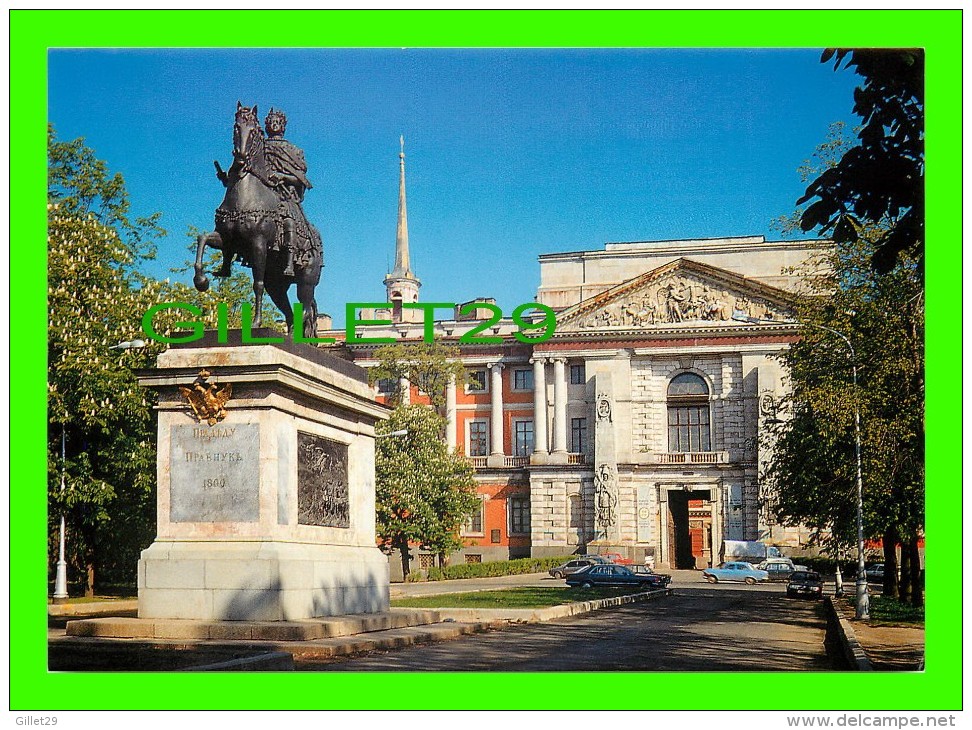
point(862, 605)
point(60, 577)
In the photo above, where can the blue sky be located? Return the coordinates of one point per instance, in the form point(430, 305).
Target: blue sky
point(509, 153)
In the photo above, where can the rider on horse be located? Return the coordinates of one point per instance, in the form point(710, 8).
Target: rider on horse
point(288, 174)
point(286, 161)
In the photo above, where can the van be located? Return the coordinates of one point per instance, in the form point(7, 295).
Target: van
point(750, 551)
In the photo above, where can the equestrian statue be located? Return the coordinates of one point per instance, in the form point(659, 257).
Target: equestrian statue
point(261, 221)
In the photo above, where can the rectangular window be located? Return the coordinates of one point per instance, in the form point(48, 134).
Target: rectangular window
point(688, 428)
point(523, 438)
point(473, 558)
point(386, 386)
point(523, 380)
point(577, 374)
point(520, 514)
point(478, 443)
point(474, 523)
point(578, 435)
point(477, 382)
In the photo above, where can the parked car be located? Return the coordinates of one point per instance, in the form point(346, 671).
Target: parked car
point(594, 558)
point(742, 572)
point(617, 558)
point(645, 570)
point(780, 569)
point(572, 566)
point(875, 573)
point(805, 583)
point(615, 575)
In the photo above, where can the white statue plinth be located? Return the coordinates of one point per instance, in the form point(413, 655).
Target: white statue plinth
point(269, 513)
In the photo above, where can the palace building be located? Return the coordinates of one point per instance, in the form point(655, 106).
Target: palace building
point(636, 427)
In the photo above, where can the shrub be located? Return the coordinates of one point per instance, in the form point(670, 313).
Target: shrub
point(435, 574)
point(500, 567)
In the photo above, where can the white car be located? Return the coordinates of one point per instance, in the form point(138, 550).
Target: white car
point(780, 569)
point(735, 571)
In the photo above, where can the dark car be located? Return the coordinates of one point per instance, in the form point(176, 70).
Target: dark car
point(805, 584)
point(874, 573)
point(616, 575)
point(779, 569)
point(572, 566)
point(645, 570)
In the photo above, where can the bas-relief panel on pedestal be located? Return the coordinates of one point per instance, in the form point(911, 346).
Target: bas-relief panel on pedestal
point(322, 482)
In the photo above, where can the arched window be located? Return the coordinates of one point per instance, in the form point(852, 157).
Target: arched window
point(575, 512)
point(688, 414)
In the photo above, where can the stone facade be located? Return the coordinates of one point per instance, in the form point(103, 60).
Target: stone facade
point(620, 457)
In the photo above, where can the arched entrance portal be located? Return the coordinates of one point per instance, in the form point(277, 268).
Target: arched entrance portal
point(690, 529)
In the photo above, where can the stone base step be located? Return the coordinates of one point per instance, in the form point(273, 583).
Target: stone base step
point(77, 653)
point(303, 630)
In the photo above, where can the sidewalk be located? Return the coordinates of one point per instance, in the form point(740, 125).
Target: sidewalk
point(890, 648)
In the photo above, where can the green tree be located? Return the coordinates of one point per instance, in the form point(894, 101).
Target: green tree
point(825, 157)
point(80, 184)
point(880, 180)
point(429, 366)
point(813, 462)
point(95, 295)
point(424, 491)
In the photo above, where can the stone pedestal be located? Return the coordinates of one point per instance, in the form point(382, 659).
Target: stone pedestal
point(267, 514)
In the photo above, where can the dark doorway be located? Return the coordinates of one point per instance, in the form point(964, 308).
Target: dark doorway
point(687, 537)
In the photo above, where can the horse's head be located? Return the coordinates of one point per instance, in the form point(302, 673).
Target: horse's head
point(245, 130)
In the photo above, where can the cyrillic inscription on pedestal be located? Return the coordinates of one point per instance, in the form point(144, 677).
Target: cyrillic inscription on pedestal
point(322, 482)
point(214, 473)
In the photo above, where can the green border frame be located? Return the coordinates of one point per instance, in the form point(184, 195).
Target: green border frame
point(32, 687)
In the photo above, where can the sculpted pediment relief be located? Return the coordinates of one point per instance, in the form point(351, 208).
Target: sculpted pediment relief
point(680, 293)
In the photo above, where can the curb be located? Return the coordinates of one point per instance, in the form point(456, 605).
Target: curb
point(275, 661)
point(539, 615)
point(95, 608)
point(851, 648)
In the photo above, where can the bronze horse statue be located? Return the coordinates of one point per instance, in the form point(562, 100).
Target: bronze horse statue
point(249, 221)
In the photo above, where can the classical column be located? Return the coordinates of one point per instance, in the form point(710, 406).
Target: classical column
point(560, 406)
point(450, 412)
point(405, 388)
point(496, 411)
point(540, 444)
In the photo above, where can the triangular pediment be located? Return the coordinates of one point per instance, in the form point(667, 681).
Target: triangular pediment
point(682, 292)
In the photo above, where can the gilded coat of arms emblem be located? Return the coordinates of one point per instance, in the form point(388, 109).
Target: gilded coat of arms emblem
point(208, 402)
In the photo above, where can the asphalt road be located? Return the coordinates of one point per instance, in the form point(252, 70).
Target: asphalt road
point(725, 627)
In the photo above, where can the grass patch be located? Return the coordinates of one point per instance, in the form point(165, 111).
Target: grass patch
point(528, 597)
point(892, 612)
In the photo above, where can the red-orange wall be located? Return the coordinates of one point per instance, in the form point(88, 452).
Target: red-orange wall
point(495, 516)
